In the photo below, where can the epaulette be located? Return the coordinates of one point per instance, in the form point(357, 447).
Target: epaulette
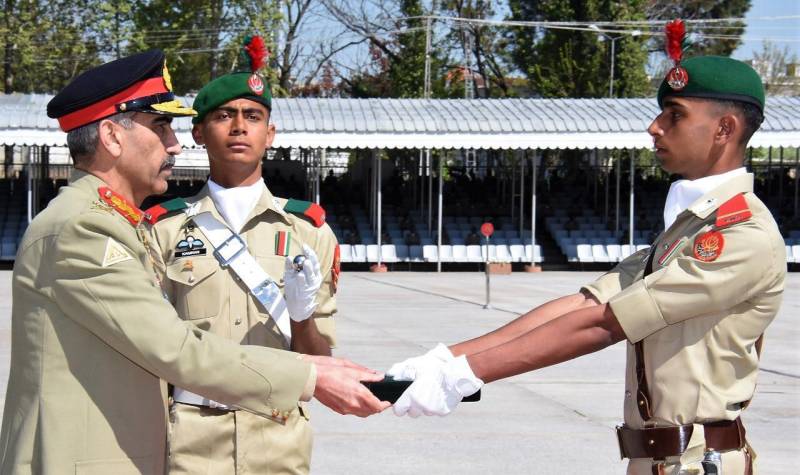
point(154, 214)
point(733, 211)
point(121, 205)
point(310, 210)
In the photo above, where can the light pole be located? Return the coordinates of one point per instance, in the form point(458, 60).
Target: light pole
point(613, 39)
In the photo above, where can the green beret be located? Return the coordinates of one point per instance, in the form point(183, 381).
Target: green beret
point(717, 77)
point(229, 87)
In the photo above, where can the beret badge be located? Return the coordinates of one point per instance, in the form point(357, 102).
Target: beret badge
point(677, 77)
point(255, 84)
point(255, 52)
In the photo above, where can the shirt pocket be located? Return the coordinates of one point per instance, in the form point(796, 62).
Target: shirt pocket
point(273, 265)
point(197, 291)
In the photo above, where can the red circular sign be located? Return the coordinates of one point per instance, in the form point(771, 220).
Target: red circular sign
point(487, 229)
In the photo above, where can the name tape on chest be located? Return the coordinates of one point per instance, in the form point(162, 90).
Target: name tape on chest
point(190, 246)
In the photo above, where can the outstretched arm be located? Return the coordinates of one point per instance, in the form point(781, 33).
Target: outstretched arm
point(526, 323)
point(409, 368)
point(437, 390)
point(338, 386)
point(579, 332)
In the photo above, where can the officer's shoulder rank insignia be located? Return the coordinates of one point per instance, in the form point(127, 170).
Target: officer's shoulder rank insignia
point(115, 253)
point(708, 246)
point(312, 211)
point(155, 213)
point(116, 201)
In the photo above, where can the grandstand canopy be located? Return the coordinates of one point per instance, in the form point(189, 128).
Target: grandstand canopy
point(433, 123)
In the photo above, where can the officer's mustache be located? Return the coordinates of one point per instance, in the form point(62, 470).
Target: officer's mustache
point(168, 162)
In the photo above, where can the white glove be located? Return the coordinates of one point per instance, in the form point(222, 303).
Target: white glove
point(300, 287)
point(438, 391)
point(407, 370)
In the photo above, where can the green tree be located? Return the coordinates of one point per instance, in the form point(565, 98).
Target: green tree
point(202, 38)
point(568, 63)
point(46, 43)
point(407, 70)
point(703, 10)
point(484, 48)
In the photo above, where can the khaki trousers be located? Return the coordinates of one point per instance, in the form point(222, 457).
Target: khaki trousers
point(214, 441)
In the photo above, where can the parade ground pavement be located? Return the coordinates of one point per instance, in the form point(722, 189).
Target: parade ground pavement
point(558, 420)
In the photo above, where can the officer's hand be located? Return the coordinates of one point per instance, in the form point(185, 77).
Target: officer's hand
point(339, 387)
point(300, 287)
point(407, 370)
point(438, 391)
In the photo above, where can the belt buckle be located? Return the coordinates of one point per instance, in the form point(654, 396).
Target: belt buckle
point(267, 293)
point(224, 262)
point(619, 441)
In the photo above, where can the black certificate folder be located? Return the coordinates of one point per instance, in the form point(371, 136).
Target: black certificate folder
point(390, 390)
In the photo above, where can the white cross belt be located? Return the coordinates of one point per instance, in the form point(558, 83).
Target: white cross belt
point(231, 251)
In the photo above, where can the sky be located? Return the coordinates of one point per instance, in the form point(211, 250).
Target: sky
point(783, 32)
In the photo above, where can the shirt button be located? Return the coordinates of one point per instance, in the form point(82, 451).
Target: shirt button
point(238, 321)
point(627, 394)
point(665, 246)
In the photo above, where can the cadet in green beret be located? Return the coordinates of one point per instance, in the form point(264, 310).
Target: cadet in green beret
point(94, 341)
point(233, 123)
point(693, 307)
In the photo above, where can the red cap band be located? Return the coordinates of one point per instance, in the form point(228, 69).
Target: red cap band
point(108, 106)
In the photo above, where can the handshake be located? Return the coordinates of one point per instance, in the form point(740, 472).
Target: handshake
point(440, 381)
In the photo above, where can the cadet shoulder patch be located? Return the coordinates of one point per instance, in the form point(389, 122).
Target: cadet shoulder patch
point(310, 210)
point(708, 246)
point(153, 214)
point(733, 211)
point(115, 253)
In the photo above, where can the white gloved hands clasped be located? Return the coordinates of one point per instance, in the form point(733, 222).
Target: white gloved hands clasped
point(437, 391)
point(300, 287)
point(407, 370)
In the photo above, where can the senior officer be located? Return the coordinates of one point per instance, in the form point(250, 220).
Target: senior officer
point(693, 307)
point(93, 339)
point(233, 124)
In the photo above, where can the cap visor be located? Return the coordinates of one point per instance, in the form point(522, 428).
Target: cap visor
point(174, 108)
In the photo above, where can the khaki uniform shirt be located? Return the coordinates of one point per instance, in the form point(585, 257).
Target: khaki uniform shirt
point(699, 319)
point(94, 343)
point(214, 299)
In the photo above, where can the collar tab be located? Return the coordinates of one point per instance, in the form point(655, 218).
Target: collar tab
point(122, 206)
